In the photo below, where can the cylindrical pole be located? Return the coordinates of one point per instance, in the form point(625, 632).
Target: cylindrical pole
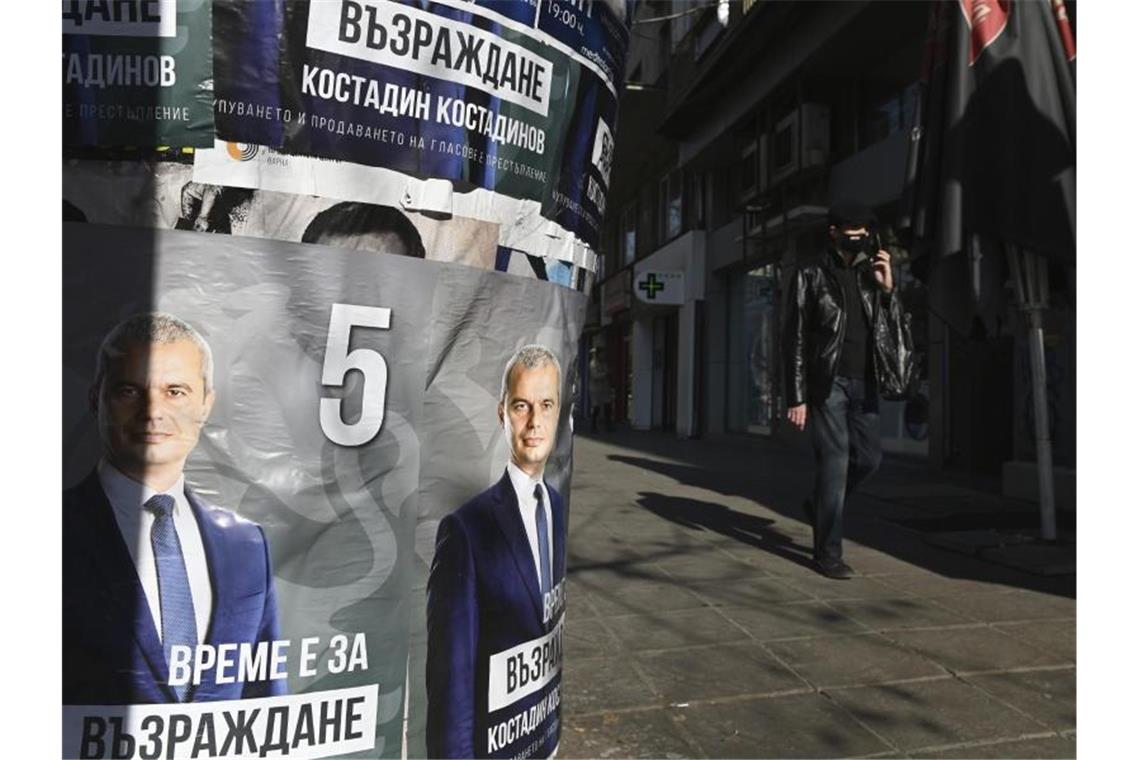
point(1041, 426)
point(1031, 280)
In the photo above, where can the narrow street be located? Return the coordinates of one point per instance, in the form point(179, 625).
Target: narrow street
point(697, 628)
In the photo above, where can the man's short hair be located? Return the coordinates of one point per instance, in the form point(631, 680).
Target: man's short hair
point(152, 327)
point(533, 356)
point(352, 218)
point(849, 213)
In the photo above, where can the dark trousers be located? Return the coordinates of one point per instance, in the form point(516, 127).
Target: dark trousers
point(845, 436)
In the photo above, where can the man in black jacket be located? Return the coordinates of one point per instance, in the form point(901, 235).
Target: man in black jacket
point(846, 341)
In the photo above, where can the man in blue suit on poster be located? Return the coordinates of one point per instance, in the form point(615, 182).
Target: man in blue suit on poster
point(150, 572)
point(495, 592)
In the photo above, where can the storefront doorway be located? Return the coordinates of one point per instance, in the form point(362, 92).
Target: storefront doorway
point(761, 323)
point(665, 372)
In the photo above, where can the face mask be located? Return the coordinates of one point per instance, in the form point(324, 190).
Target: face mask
point(854, 245)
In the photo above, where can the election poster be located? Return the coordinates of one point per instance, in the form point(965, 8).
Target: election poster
point(318, 392)
point(349, 402)
point(137, 73)
point(516, 98)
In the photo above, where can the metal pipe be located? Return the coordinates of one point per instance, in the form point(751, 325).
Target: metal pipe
point(1041, 426)
point(1031, 279)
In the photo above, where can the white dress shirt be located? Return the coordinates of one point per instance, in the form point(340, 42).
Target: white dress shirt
point(524, 489)
point(127, 498)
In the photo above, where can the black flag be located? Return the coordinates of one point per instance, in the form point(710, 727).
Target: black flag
point(993, 160)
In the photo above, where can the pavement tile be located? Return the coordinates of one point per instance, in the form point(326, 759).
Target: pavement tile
point(748, 592)
point(1057, 637)
point(924, 491)
point(640, 596)
point(852, 660)
point(970, 649)
point(586, 637)
point(623, 518)
point(597, 684)
point(711, 567)
point(662, 552)
point(619, 564)
point(581, 554)
point(806, 725)
point(1000, 607)
point(655, 542)
point(666, 630)
point(641, 734)
point(646, 550)
point(781, 532)
point(853, 588)
point(1047, 747)
point(1066, 602)
point(1050, 696)
point(578, 603)
point(898, 613)
point(584, 524)
point(792, 620)
point(787, 564)
point(933, 713)
point(871, 562)
point(930, 584)
point(725, 670)
point(614, 574)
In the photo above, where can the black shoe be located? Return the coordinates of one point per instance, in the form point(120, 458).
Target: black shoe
point(836, 569)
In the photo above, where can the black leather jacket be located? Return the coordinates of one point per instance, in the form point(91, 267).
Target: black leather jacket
point(814, 325)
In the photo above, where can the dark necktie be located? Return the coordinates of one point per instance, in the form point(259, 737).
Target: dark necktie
point(175, 602)
point(543, 548)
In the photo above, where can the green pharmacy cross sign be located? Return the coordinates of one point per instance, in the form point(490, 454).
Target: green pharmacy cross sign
point(660, 288)
point(651, 286)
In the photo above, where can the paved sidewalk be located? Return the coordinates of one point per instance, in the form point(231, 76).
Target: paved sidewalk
point(696, 627)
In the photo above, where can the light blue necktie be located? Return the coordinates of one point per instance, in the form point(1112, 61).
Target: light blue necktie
point(543, 549)
point(176, 604)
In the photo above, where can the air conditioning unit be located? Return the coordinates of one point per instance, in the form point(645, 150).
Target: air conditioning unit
point(800, 140)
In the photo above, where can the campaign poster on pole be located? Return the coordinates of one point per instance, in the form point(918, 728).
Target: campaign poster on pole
point(309, 451)
point(137, 73)
point(297, 392)
point(516, 98)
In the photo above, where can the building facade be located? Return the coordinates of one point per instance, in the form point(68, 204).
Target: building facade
point(740, 123)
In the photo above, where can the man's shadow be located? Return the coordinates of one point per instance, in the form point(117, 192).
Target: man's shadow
point(717, 518)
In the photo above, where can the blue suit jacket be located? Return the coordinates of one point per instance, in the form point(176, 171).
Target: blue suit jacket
point(112, 651)
point(483, 598)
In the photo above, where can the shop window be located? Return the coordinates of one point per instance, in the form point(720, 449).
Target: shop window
point(672, 206)
point(629, 235)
